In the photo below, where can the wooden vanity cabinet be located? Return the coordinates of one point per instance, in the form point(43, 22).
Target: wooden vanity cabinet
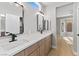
point(40, 48)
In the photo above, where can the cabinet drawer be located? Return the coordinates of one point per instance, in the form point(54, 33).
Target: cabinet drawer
point(35, 53)
point(30, 49)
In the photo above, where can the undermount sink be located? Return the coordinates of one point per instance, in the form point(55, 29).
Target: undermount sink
point(11, 45)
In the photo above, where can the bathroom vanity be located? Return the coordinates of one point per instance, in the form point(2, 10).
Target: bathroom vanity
point(40, 48)
point(26, 43)
point(35, 44)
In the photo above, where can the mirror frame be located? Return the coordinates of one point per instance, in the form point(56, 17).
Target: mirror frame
point(43, 22)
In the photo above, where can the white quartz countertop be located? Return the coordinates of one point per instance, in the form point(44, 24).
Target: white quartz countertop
point(23, 42)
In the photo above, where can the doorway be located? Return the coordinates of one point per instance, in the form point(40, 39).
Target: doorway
point(64, 28)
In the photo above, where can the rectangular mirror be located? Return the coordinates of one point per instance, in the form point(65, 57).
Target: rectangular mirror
point(11, 20)
point(40, 20)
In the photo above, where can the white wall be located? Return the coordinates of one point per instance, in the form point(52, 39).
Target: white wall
point(65, 10)
point(30, 21)
point(51, 14)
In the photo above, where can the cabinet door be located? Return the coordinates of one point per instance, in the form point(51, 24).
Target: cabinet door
point(35, 53)
point(50, 43)
point(30, 49)
point(20, 53)
point(42, 47)
point(47, 44)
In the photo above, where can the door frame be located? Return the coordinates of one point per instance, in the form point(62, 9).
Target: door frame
point(75, 19)
point(74, 48)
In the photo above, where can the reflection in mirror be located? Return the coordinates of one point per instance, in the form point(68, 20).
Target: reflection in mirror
point(2, 24)
point(40, 20)
point(11, 19)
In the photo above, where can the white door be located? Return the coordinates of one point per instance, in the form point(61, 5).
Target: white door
point(78, 31)
point(76, 28)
